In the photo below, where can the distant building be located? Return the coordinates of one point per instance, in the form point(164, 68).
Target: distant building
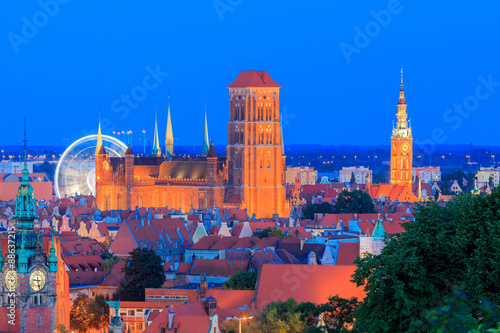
point(308, 175)
point(428, 174)
point(15, 167)
point(360, 174)
point(484, 174)
point(10, 182)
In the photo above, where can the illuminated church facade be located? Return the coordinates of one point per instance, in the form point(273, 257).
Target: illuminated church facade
point(251, 176)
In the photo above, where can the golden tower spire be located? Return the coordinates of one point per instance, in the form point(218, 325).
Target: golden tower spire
point(99, 135)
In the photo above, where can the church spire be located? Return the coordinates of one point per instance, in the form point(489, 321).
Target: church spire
point(99, 135)
point(156, 142)
point(205, 146)
point(169, 137)
point(402, 129)
point(25, 199)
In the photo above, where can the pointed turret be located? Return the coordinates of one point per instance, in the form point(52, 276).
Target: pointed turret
point(205, 146)
point(99, 137)
point(169, 136)
point(52, 257)
point(379, 228)
point(156, 142)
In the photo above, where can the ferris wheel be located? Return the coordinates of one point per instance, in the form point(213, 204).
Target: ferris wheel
point(75, 171)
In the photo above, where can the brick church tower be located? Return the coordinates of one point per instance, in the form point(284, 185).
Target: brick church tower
point(255, 155)
point(401, 145)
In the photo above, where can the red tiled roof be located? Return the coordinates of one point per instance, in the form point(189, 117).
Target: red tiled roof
point(189, 318)
point(216, 267)
point(348, 251)
point(254, 79)
point(306, 283)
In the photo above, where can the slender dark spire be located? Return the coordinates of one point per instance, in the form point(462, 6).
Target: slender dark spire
point(206, 146)
point(25, 141)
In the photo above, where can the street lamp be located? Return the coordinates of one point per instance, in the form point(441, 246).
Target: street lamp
point(239, 321)
point(144, 132)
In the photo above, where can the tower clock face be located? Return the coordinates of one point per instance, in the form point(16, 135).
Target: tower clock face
point(106, 165)
point(37, 280)
point(10, 279)
point(405, 147)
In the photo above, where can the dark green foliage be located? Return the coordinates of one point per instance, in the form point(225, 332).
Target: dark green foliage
point(355, 201)
point(446, 246)
point(241, 281)
point(353, 179)
point(338, 315)
point(455, 316)
point(143, 269)
point(279, 317)
point(310, 210)
point(268, 232)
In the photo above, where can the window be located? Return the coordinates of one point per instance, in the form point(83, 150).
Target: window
point(139, 326)
point(38, 320)
point(93, 294)
point(162, 330)
point(131, 313)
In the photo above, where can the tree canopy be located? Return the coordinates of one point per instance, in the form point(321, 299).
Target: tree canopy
point(269, 232)
point(143, 269)
point(241, 281)
point(87, 313)
point(355, 201)
point(446, 246)
point(310, 210)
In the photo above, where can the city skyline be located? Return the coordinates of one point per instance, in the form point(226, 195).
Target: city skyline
point(93, 65)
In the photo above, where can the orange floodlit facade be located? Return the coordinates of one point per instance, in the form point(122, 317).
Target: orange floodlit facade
point(251, 177)
point(401, 145)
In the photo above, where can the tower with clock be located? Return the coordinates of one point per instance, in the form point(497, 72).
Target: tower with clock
point(401, 145)
point(29, 284)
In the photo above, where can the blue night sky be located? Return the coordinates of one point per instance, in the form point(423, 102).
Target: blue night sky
point(338, 63)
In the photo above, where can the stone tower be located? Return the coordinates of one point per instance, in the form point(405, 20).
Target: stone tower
point(401, 144)
point(255, 149)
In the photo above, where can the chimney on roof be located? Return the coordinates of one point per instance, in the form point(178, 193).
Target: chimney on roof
point(318, 217)
point(355, 215)
point(302, 242)
point(171, 316)
point(222, 254)
point(386, 216)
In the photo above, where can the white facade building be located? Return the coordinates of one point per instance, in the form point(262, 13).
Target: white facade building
point(360, 174)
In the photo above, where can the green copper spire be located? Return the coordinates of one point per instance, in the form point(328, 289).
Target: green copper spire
point(379, 228)
point(205, 146)
point(169, 136)
point(52, 257)
point(22, 261)
point(156, 142)
point(25, 199)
